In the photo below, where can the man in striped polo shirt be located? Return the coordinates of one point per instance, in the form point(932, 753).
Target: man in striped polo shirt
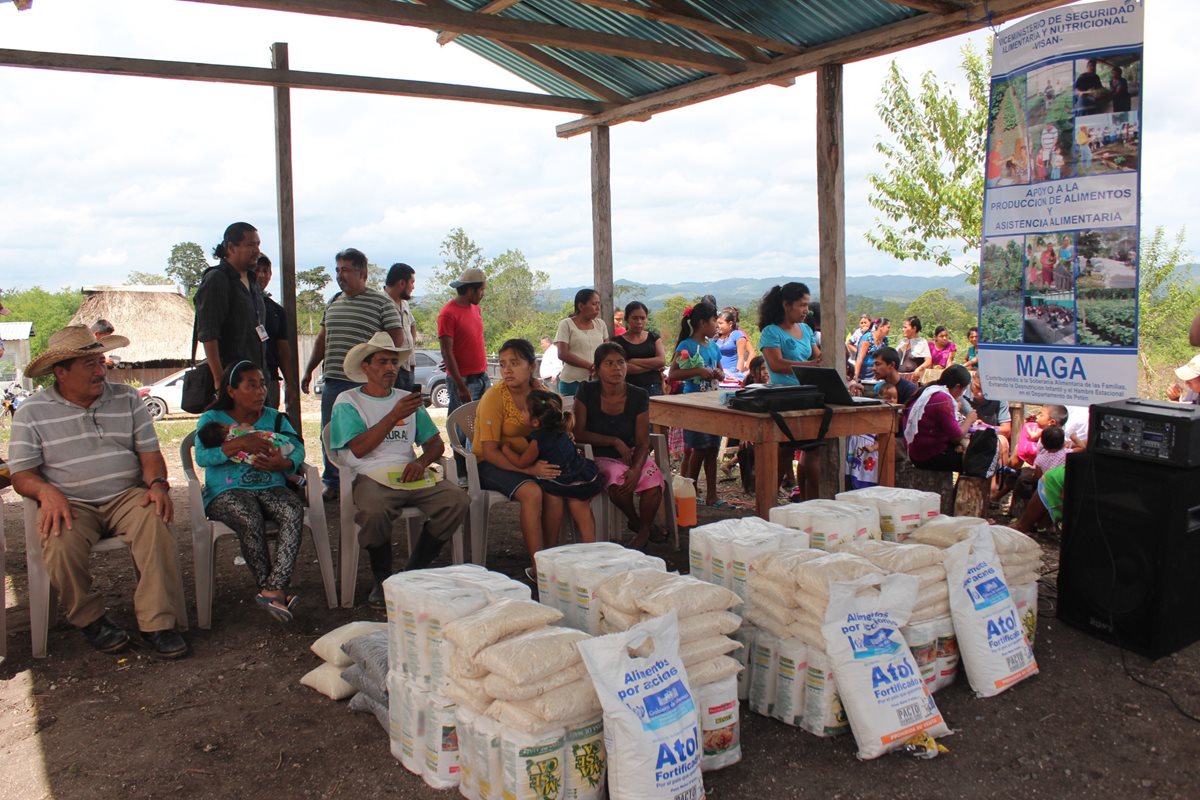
point(353, 316)
point(86, 451)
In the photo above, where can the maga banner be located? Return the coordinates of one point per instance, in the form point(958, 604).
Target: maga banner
point(1058, 275)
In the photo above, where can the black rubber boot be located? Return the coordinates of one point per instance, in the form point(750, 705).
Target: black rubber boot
point(427, 549)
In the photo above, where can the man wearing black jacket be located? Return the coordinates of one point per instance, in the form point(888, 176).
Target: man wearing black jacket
point(230, 312)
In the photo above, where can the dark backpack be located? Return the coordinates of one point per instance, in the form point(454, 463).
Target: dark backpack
point(982, 457)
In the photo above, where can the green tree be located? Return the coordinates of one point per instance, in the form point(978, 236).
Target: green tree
point(931, 191)
point(48, 312)
point(148, 279)
point(186, 265)
point(514, 292)
point(376, 275)
point(458, 253)
point(1167, 301)
point(310, 300)
point(936, 307)
point(668, 320)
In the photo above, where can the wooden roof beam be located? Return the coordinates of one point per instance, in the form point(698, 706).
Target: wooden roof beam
point(494, 7)
point(498, 28)
point(691, 22)
point(259, 76)
point(565, 71)
point(880, 41)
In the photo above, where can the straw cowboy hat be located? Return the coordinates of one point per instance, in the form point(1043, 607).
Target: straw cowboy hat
point(72, 341)
point(352, 363)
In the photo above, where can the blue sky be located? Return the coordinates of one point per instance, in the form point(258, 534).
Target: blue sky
point(102, 175)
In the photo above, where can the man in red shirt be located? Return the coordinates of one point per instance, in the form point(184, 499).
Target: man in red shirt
point(460, 332)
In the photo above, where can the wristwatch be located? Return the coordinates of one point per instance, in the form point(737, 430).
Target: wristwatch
point(163, 481)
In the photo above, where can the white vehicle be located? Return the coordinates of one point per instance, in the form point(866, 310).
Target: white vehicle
point(165, 396)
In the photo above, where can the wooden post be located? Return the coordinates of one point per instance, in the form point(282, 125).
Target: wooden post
point(602, 261)
point(831, 236)
point(287, 229)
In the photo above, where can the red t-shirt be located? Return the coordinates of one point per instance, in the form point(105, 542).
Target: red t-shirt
point(465, 325)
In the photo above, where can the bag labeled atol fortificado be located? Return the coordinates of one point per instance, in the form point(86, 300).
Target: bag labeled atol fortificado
point(650, 724)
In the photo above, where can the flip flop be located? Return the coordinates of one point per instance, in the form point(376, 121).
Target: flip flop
point(658, 535)
point(279, 613)
point(721, 504)
point(293, 601)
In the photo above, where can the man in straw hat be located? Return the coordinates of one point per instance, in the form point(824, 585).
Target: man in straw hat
point(374, 428)
point(86, 451)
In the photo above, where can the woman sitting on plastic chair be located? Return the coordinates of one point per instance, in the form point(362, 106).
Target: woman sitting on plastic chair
point(502, 418)
point(248, 452)
point(614, 418)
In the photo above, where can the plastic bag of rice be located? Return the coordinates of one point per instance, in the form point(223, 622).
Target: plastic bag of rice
point(532, 655)
point(686, 596)
point(621, 592)
point(885, 697)
point(496, 621)
point(991, 638)
point(650, 722)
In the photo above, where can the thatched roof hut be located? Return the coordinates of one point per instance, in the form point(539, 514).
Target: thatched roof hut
point(157, 320)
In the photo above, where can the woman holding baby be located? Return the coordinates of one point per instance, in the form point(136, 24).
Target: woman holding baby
point(248, 451)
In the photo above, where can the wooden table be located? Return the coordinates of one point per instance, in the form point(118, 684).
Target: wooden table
point(701, 411)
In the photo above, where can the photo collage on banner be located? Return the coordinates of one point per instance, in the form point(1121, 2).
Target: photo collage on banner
point(1058, 272)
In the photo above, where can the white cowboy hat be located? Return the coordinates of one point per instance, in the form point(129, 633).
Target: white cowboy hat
point(355, 356)
point(72, 341)
point(1189, 371)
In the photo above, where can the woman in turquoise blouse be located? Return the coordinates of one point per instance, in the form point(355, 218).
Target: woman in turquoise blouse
point(247, 452)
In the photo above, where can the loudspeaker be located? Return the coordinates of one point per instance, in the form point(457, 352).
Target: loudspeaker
point(1130, 561)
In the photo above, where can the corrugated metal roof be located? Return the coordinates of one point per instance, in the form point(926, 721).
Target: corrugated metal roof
point(800, 23)
point(12, 331)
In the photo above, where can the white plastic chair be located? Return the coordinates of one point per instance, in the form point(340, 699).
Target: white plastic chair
point(41, 596)
point(611, 521)
point(460, 429)
point(349, 551)
point(206, 532)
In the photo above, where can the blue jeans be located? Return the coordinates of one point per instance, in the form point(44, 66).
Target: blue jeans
point(476, 385)
point(333, 387)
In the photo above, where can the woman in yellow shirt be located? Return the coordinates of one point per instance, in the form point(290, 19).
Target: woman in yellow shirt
point(502, 419)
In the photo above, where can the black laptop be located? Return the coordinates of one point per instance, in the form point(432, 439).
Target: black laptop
point(831, 385)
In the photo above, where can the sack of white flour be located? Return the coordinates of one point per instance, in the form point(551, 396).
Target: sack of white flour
point(650, 729)
point(991, 638)
point(885, 697)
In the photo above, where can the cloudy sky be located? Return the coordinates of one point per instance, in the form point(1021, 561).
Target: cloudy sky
point(102, 175)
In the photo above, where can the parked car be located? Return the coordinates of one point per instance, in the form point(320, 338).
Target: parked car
point(430, 375)
point(165, 396)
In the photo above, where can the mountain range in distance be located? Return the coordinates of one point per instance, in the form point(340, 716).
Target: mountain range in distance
point(746, 293)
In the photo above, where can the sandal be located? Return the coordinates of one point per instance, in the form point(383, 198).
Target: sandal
point(658, 534)
point(721, 504)
point(279, 612)
point(293, 600)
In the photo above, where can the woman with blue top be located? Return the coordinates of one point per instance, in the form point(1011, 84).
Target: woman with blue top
point(786, 340)
point(245, 480)
point(864, 367)
point(733, 344)
point(697, 363)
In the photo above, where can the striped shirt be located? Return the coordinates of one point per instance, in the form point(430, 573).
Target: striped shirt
point(353, 320)
point(89, 454)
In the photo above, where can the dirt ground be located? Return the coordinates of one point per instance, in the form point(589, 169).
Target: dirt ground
point(233, 721)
